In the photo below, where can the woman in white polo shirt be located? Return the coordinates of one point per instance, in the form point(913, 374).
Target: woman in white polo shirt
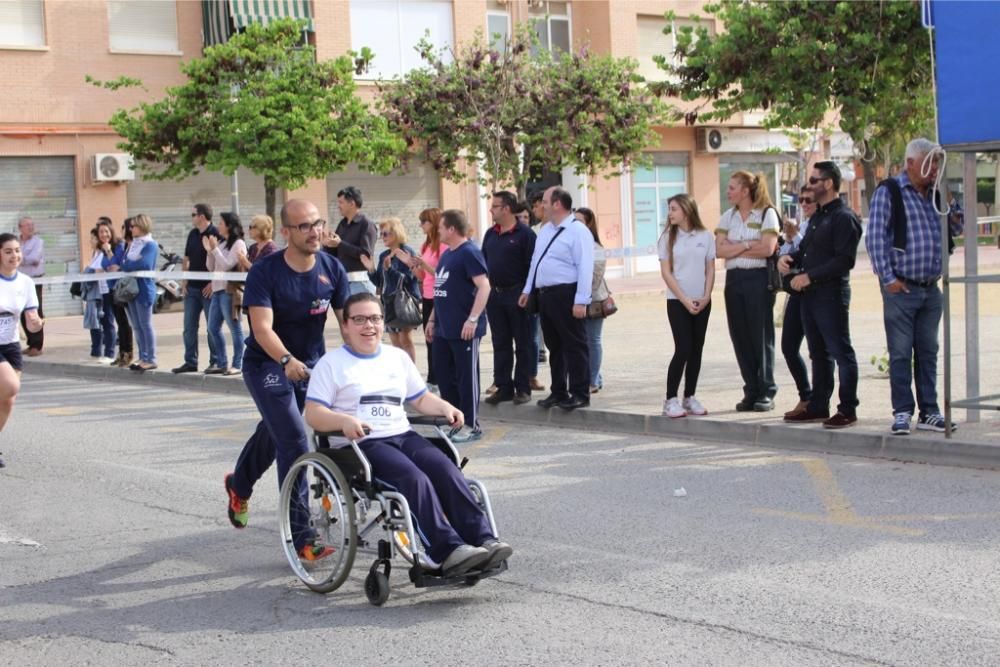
point(687, 264)
point(746, 236)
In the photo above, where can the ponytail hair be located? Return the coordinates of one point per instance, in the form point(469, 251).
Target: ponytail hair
point(757, 186)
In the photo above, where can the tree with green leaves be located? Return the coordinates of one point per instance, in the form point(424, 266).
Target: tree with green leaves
point(518, 111)
point(869, 62)
point(259, 101)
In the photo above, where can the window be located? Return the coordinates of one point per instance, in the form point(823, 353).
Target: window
point(551, 23)
point(22, 23)
point(653, 42)
point(145, 26)
point(497, 24)
point(651, 188)
point(392, 28)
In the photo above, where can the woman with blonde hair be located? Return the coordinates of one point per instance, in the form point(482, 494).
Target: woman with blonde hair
point(392, 272)
point(261, 231)
point(746, 236)
point(687, 265)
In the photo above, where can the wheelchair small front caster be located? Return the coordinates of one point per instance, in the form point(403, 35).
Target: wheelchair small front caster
point(377, 584)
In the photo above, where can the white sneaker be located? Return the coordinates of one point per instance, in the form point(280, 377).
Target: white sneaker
point(672, 408)
point(105, 361)
point(694, 407)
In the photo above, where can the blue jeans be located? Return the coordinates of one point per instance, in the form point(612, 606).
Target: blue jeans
point(361, 286)
point(194, 303)
point(106, 333)
point(142, 326)
point(536, 337)
point(911, 331)
point(594, 329)
point(221, 308)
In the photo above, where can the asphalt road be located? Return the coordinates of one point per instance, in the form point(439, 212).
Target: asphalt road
point(115, 549)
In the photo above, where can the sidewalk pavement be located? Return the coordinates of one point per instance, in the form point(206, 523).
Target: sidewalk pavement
point(637, 348)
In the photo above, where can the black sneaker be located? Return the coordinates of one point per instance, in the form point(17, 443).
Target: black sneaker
point(185, 368)
point(763, 405)
point(746, 405)
point(2, 464)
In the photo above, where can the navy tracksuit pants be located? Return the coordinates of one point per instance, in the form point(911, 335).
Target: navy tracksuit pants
point(280, 435)
point(447, 515)
point(456, 365)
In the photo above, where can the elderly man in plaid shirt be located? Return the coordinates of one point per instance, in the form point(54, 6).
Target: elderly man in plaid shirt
point(909, 267)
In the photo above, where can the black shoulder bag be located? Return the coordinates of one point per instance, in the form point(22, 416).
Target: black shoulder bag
point(774, 283)
point(532, 305)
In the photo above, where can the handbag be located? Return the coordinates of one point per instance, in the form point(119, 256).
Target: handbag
point(775, 282)
point(598, 310)
point(126, 290)
point(402, 311)
point(532, 305)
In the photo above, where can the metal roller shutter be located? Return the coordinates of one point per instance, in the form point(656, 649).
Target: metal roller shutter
point(169, 203)
point(44, 188)
point(402, 195)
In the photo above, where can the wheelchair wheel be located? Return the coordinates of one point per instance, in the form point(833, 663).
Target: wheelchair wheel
point(329, 512)
point(377, 588)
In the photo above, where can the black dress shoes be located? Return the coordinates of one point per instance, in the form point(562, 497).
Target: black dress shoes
point(551, 401)
point(574, 402)
point(520, 398)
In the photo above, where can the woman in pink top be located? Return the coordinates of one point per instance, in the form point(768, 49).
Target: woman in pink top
point(424, 268)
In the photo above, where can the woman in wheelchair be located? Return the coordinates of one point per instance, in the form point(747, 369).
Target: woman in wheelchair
point(364, 385)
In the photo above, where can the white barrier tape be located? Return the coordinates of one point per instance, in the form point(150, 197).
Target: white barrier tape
point(238, 276)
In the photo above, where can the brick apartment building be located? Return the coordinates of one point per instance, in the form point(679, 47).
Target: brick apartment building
point(54, 132)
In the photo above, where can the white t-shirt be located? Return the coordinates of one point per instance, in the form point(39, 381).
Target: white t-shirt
point(96, 263)
point(17, 295)
point(692, 250)
point(372, 388)
point(734, 228)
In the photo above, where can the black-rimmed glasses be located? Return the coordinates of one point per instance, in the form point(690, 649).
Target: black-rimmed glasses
point(306, 227)
point(361, 319)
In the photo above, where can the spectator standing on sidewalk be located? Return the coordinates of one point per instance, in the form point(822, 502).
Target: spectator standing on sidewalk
point(393, 271)
point(687, 265)
point(562, 269)
point(826, 257)
point(539, 222)
point(461, 290)
point(355, 236)
point(99, 310)
point(904, 243)
point(197, 293)
point(288, 295)
point(261, 232)
point(507, 248)
point(524, 216)
point(126, 348)
point(224, 255)
point(33, 266)
point(792, 333)
point(746, 236)
point(598, 293)
point(141, 256)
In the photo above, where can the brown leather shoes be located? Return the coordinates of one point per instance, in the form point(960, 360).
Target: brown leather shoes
point(798, 409)
point(536, 385)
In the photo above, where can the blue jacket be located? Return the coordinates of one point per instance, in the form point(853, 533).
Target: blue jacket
point(146, 262)
point(117, 257)
point(388, 279)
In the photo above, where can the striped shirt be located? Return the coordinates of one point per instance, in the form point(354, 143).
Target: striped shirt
point(734, 228)
point(922, 258)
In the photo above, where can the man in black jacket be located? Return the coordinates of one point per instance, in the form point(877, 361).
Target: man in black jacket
point(825, 259)
point(354, 237)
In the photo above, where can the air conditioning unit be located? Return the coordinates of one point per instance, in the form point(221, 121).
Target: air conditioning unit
point(708, 140)
point(110, 167)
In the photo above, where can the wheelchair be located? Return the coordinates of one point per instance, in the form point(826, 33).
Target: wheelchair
point(351, 512)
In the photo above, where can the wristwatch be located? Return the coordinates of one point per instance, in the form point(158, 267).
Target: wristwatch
point(285, 358)
point(473, 320)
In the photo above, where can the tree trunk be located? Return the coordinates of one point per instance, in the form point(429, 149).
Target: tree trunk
point(270, 192)
point(868, 168)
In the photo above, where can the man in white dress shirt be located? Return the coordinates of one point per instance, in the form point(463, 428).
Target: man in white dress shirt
point(562, 267)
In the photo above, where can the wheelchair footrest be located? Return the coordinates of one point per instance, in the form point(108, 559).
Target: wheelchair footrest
point(422, 578)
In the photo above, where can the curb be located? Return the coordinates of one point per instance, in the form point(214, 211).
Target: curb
point(911, 449)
